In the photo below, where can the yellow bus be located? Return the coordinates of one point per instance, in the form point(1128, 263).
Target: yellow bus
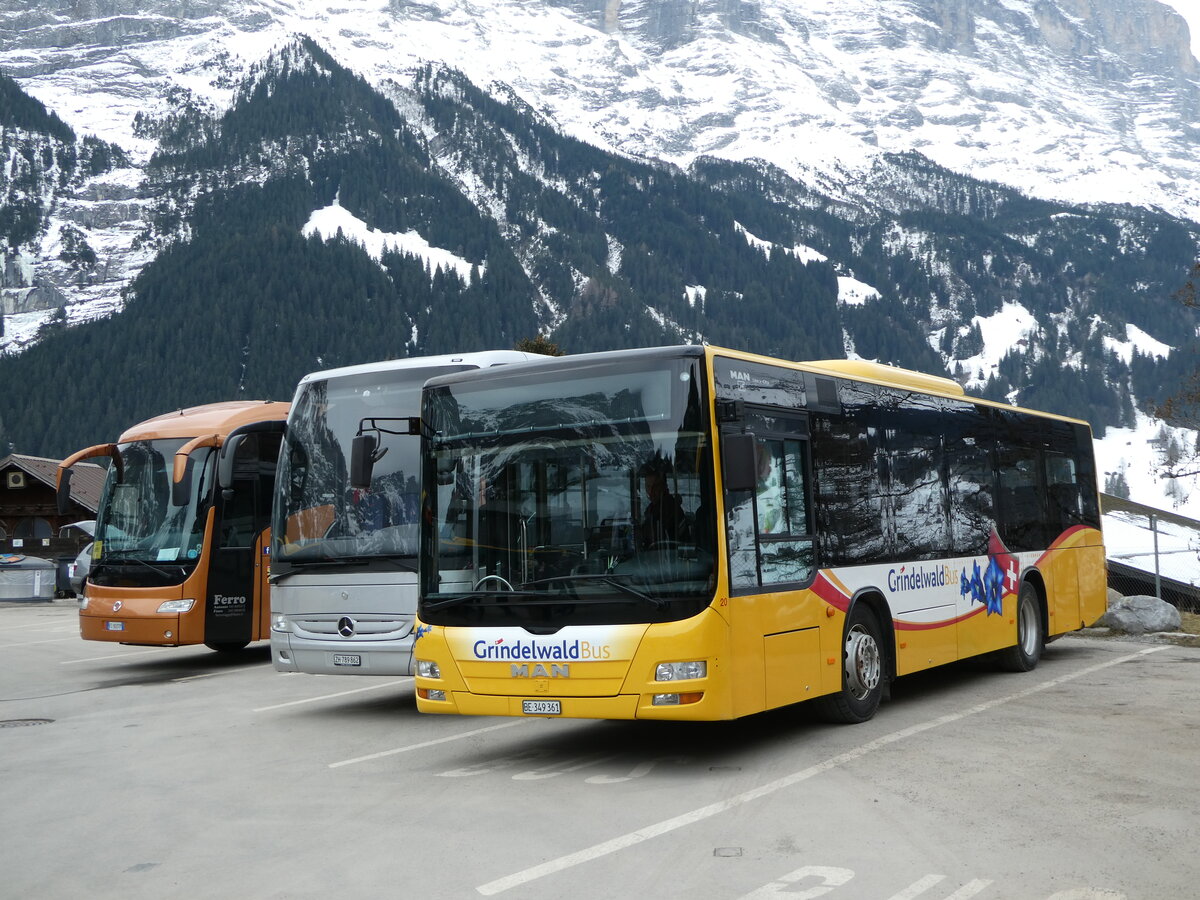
point(699, 533)
point(183, 528)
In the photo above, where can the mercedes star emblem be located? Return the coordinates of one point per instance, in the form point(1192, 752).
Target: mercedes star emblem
point(346, 626)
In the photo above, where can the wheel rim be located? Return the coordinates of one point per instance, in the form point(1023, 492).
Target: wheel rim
point(863, 666)
point(1027, 628)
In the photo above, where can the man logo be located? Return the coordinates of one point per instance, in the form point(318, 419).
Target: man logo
point(539, 671)
point(346, 626)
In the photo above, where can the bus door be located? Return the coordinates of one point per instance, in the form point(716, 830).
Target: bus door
point(234, 593)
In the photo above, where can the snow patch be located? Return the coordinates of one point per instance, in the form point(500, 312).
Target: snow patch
point(326, 223)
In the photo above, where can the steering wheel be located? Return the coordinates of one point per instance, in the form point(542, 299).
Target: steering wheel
point(499, 578)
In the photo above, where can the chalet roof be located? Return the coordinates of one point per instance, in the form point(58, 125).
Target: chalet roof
point(86, 482)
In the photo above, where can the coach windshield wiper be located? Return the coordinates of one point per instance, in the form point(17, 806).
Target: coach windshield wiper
point(601, 578)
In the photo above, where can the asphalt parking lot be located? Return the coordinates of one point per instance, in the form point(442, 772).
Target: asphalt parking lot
point(160, 772)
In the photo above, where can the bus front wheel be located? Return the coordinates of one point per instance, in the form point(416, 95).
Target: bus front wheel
point(862, 671)
point(1031, 637)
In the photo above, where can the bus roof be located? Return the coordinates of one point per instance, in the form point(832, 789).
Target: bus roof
point(211, 418)
point(482, 359)
point(853, 369)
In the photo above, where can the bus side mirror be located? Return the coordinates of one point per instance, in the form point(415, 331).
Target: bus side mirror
point(225, 461)
point(181, 490)
point(739, 461)
point(362, 460)
point(63, 495)
point(447, 468)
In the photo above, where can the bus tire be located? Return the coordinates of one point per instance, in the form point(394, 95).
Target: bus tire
point(226, 646)
point(862, 671)
point(1031, 637)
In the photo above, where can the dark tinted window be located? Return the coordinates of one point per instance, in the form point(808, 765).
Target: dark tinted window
point(918, 522)
point(968, 444)
point(846, 476)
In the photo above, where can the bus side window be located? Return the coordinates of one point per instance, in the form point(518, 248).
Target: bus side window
point(1062, 491)
point(969, 467)
point(1020, 499)
point(768, 528)
point(847, 488)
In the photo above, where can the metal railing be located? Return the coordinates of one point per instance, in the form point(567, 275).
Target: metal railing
point(1152, 551)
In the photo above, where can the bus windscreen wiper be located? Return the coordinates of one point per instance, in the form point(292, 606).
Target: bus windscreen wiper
point(111, 557)
point(601, 578)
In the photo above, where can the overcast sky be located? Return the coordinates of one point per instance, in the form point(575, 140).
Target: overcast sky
point(1190, 10)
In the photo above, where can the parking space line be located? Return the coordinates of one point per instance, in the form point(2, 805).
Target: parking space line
point(632, 838)
point(110, 656)
point(443, 740)
point(31, 643)
point(370, 687)
point(231, 671)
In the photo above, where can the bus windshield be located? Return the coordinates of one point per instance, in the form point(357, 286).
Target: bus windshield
point(138, 520)
point(318, 516)
point(582, 500)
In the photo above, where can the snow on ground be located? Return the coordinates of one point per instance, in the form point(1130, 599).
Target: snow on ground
point(853, 292)
point(1001, 332)
point(1129, 539)
point(1137, 340)
point(1134, 453)
point(800, 251)
point(329, 221)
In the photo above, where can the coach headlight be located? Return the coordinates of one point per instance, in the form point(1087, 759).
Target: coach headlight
point(176, 606)
point(681, 671)
point(279, 622)
point(427, 668)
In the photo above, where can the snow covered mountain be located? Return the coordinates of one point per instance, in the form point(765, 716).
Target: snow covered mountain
point(1084, 102)
point(1077, 100)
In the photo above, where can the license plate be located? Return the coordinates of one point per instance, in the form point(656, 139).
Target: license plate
point(541, 707)
point(114, 626)
point(347, 659)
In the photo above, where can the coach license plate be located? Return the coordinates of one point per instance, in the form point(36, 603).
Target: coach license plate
point(114, 626)
point(347, 659)
point(541, 707)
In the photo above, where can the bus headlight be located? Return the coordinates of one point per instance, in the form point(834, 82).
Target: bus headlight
point(176, 606)
point(279, 622)
point(83, 601)
point(681, 671)
point(427, 668)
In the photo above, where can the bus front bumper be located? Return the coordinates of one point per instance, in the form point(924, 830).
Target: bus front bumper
point(622, 706)
point(292, 653)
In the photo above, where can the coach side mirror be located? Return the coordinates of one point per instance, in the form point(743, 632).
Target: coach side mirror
point(181, 490)
point(362, 460)
point(739, 462)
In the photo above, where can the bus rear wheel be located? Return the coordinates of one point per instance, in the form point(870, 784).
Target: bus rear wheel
point(862, 671)
point(1031, 637)
point(226, 646)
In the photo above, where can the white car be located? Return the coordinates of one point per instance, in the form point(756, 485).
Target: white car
point(78, 570)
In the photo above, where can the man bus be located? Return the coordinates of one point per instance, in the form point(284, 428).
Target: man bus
point(182, 530)
point(845, 523)
point(343, 562)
